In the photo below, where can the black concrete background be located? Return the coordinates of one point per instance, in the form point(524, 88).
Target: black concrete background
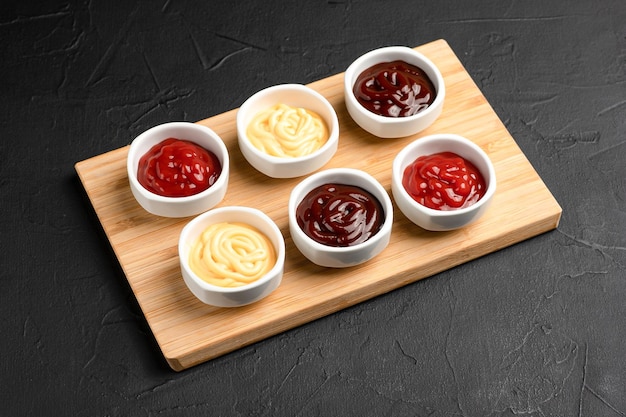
point(537, 329)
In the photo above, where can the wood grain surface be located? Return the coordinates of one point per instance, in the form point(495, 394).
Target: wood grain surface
point(190, 332)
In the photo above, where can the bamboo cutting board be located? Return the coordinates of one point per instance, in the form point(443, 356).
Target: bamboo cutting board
point(190, 332)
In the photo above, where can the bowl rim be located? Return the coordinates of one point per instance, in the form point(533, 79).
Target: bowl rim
point(242, 210)
point(363, 62)
point(398, 171)
point(245, 108)
point(325, 176)
point(133, 153)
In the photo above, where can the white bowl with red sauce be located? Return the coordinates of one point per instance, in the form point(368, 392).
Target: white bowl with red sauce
point(337, 249)
point(414, 113)
point(468, 183)
point(276, 164)
point(183, 204)
point(231, 296)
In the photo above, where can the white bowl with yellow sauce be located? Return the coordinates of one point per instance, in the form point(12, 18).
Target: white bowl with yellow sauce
point(287, 130)
point(231, 256)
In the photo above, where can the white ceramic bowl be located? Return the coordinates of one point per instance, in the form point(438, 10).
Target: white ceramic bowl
point(339, 257)
point(438, 220)
point(393, 127)
point(294, 95)
point(178, 206)
point(235, 296)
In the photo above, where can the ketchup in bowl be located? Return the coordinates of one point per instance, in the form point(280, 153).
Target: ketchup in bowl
point(394, 89)
point(444, 181)
point(339, 215)
point(178, 168)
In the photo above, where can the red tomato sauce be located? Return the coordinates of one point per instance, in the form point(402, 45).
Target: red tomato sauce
point(444, 181)
point(178, 168)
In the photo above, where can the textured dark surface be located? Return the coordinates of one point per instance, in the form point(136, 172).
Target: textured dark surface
point(537, 329)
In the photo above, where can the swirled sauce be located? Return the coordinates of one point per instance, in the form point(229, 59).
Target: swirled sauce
point(443, 181)
point(231, 255)
point(394, 89)
point(339, 215)
point(178, 168)
point(287, 132)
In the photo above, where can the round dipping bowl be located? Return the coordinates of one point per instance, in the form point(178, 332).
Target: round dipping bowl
point(294, 95)
point(231, 296)
point(438, 220)
point(340, 257)
point(178, 206)
point(385, 126)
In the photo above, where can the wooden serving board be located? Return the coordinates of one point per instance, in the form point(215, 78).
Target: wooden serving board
point(190, 332)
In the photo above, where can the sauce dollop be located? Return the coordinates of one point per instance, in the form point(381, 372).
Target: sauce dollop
point(339, 215)
point(394, 89)
point(443, 181)
point(287, 132)
point(231, 255)
point(178, 168)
